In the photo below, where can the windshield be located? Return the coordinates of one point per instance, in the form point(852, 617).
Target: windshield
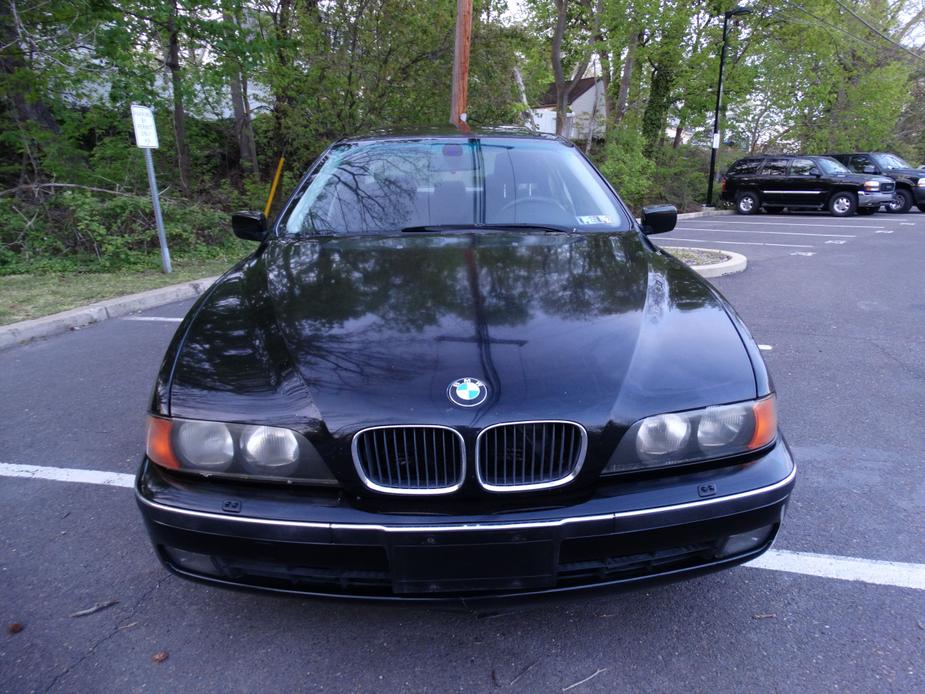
point(831, 166)
point(891, 161)
point(386, 186)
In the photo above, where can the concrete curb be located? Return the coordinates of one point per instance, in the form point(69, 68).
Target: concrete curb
point(704, 213)
point(17, 333)
point(736, 262)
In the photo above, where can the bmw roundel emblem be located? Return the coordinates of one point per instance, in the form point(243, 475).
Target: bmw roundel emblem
point(467, 392)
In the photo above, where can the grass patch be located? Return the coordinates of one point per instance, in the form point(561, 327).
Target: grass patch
point(696, 256)
point(33, 295)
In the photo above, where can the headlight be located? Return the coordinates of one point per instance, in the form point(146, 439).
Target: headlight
point(235, 450)
point(685, 437)
point(921, 182)
point(871, 185)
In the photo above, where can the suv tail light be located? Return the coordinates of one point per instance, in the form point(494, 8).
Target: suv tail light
point(722, 184)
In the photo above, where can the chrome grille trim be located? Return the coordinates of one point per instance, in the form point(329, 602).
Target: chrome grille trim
point(438, 451)
point(572, 435)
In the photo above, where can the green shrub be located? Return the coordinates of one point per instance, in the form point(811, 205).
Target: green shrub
point(78, 229)
point(623, 163)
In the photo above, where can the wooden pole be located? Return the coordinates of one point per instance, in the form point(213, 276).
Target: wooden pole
point(279, 172)
point(460, 100)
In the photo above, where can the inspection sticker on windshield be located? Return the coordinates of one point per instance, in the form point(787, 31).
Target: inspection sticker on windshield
point(594, 219)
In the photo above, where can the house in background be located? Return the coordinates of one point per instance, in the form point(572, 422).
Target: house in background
point(585, 113)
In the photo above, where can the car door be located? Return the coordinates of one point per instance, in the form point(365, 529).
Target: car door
point(772, 181)
point(804, 184)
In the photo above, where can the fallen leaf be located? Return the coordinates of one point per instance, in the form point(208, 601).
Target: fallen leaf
point(764, 616)
point(15, 628)
point(160, 656)
point(96, 608)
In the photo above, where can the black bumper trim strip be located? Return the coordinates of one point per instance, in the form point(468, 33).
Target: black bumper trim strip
point(467, 527)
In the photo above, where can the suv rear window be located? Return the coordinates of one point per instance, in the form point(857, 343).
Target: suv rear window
point(745, 166)
point(775, 167)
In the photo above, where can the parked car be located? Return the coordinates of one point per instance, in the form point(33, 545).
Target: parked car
point(802, 182)
point(910, 182)
point(455, 365)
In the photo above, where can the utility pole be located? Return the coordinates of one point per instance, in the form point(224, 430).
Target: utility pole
point(739, 10)
point(460, 99)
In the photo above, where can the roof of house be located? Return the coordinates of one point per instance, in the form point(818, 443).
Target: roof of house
point(549, 96)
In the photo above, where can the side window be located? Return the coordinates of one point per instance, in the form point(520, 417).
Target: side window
point(745, 166)
point(802, 167)
point(775, 167)
point(858, 162)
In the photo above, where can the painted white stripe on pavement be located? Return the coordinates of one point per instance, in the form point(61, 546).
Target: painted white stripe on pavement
point(847, 225)
point(737, 243)
point(154, 318)
point(882, 573)
point(758, 231)
point(61, 474)
point(765, 348)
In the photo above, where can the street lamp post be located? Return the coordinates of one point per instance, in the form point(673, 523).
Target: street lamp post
point(739, 10)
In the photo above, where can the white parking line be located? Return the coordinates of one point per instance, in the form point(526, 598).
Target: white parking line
point(738, 243)
point(875, 571)
point(154, 318)
point(789, 224)
point(779, 233)
point(765, 348)
point(63, 474)
point(882, 573)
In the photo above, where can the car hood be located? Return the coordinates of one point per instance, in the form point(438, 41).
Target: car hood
point(344, 333)
point(909, 173)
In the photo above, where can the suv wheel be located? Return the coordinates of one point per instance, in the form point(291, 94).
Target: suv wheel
point(901, 202)
point(747, 203)
point(843, 204)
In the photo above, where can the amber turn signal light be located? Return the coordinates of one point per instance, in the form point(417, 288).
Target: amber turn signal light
point(765, 412)
point(159, 448)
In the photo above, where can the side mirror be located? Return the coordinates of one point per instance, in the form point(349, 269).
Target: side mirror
point(815, 172)
point(870, 169)
point(250, 226)
point(657, 219)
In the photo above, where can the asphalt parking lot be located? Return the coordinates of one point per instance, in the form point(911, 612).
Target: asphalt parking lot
point(839, 307)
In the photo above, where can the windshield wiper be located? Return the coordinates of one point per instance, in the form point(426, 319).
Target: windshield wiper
point(549, 228)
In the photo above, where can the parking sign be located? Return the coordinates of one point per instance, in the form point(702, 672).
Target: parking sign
point(145, 131)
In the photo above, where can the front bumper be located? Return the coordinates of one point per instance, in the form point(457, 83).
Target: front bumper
point(866, 199)
point(288, 541)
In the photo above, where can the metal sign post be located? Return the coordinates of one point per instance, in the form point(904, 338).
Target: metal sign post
point(146, 139)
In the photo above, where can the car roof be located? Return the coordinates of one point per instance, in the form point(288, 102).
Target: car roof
point(449, 131)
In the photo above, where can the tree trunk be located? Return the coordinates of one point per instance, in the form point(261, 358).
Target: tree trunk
point(653, 119)
point(626, 77)
point(179, 114)
point(282, 99)
point(604, 56)
point(11, 61)
point(563, 88)
point(561, 95)
point(678, 134)
point(243, 131)
point(526, 114)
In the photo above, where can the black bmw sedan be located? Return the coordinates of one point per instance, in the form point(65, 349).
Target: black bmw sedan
point(455, 366)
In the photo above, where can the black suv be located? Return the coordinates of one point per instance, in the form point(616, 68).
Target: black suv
point(779, 181)
point(910, 182)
